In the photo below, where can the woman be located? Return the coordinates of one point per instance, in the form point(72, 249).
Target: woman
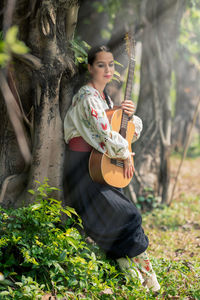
point(109, 218)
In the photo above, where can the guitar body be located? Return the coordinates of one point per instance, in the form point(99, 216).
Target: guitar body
point(103, 169)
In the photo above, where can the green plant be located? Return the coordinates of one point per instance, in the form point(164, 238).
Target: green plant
point(39, 254)
point(147, 200)
point(10, 45)
point(36, 247)
point(80, 49)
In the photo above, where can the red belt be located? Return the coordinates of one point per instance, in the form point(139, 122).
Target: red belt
point(79, 144)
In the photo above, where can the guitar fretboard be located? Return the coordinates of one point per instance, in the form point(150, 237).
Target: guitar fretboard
point(128, 91)
point(129, 84)
point(124, 123)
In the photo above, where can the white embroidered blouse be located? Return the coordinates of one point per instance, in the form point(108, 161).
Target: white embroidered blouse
point(87, 118)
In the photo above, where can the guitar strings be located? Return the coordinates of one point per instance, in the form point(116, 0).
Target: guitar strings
point(118, 163)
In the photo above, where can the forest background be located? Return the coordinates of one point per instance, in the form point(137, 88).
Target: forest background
point(43, 55)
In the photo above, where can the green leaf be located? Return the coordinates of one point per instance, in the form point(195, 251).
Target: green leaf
point(73, 242)
point(116, 73)
point(63, 255)
point(100, 8)
point(31, 192)
point(118, 63)
point(37, 181)
point(54, 200)
point(4, 293)
point(93, 256)
point(67, 213)
point(80, 59)
point(54, 189)
point(86, 45)
point(72, 210)
point(11, 35)
point(19, 48)
point(36, 206)
point(141, 199)
point(4, 58)
point(2, 45)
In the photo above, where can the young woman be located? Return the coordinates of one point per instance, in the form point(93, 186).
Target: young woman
point(109, 218)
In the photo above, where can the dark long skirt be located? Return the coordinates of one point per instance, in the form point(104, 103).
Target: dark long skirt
point(109, 218)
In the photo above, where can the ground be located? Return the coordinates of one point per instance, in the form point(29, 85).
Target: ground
point(174, 232)
point(189, 178)
point(180, 224)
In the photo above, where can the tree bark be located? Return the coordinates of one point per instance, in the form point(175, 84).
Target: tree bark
point(161, 23)
point(187, 92)
point(47, 28)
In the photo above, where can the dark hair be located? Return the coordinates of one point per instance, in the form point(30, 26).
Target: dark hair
point(94, 50)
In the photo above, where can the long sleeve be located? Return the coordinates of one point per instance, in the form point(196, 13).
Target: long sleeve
point(110, 141)
point(87, 118)
point(138, 128)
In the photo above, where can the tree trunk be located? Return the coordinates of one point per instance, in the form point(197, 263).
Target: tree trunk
point(161, 23)
point(47, 28)
point(187, 92)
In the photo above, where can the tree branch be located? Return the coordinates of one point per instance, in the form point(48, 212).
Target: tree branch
point(18, 100)
point(15, 118)
point(7, 21)
point(30, 60)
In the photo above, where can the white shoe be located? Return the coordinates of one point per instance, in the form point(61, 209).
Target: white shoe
point(152, 283)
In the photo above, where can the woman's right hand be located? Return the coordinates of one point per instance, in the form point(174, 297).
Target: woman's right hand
point(128, 166)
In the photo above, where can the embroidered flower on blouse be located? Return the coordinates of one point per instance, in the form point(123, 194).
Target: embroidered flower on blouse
point(94, 113)
point(104, 127)
point(136, 260)
point(102, 145)
point(147, 268)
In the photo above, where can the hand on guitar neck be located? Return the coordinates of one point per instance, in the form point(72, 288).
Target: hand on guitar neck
point(128, 107)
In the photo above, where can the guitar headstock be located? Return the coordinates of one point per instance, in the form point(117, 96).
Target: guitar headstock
point(130, 45)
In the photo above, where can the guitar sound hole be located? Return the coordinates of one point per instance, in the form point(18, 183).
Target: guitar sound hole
point(118, 163)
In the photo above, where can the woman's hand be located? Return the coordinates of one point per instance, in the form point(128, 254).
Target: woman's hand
point(129, 107)
point(128, 166)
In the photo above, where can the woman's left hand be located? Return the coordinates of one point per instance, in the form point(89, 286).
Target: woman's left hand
point(129, 107)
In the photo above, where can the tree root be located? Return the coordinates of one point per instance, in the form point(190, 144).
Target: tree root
point(12, 187)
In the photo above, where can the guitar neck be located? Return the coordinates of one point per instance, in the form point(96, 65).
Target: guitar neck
point(128, 91)
point(129, 83)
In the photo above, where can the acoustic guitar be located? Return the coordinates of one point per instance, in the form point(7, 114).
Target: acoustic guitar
point(102, 168)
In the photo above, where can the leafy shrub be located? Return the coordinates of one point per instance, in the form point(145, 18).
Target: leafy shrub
point(38, 252)
point(148, 201)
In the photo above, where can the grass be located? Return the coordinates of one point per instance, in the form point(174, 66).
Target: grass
point(174, 234)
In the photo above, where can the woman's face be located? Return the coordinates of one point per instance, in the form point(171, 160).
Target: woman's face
point(102, 69)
